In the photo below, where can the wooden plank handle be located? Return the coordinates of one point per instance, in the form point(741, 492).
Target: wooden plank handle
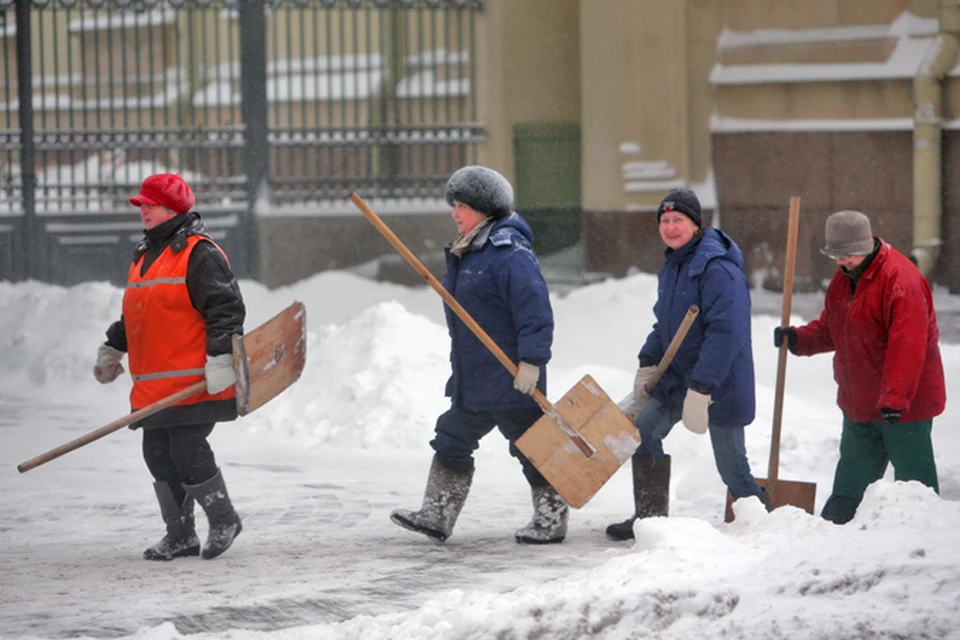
point(773, 470)
point(86, 439)
point(467, 319)
point(672, 348)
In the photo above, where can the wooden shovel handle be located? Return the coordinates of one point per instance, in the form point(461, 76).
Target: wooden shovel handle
point(773, 470)
point(458, 309)
point(672, 348)
point(86, 439)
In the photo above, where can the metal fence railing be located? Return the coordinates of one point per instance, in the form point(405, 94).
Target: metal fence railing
point(301, 100)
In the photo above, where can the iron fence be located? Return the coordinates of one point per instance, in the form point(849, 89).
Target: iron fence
point(286, 101)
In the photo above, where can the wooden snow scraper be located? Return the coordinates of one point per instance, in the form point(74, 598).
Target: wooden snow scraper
point(267, 360)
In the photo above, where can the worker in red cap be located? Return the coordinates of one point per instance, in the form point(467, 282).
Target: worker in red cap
point(181, 308)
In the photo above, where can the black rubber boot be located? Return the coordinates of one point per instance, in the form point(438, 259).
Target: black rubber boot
point(550, 515)
point(181, 539)
point(442, 501)
point(651, 494)
point(224, 522)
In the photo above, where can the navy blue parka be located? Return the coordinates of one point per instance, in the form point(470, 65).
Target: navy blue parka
point(716, 357)
point(499, 283)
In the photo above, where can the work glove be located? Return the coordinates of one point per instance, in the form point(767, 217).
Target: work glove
point(891, 415)
point(640, 380)
point(790, 333)
point(695, 416)
point(219, 373)
point(108, 365)
point(527, 376)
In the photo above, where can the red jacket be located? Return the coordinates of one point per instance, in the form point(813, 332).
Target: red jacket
point(166, 336)
point(885, 339)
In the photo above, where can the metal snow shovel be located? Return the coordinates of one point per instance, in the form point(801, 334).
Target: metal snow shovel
point(783, 492)
point(267, 360)
point(580, 441)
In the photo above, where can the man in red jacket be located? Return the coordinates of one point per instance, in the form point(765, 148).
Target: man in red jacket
point(879, 321)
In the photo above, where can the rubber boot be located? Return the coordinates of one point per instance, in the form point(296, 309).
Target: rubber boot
point(442, 501)
point(224, 522)
point(181, 539)
point(651, 494)
point(550, 515)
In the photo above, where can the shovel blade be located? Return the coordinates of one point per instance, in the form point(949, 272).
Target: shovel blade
point(270, 358)
point(589, 411)
point(782, 492)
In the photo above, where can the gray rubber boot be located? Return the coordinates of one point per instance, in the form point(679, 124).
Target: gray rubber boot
point(181, 539)
point(442, 501)
point(651, 494)
point(224, 522)
point(550, 515)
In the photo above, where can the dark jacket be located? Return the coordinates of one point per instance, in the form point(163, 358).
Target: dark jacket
point(498, 282)
point(885, 341)
point(716, 357)
point(214, 293)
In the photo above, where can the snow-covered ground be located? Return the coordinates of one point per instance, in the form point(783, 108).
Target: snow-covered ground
point(316, 472)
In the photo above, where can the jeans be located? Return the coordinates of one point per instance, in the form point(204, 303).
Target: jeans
point(459, 432)
point(729, 450)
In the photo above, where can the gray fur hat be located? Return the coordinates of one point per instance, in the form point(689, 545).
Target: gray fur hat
point(481, 189)
point(848, 234)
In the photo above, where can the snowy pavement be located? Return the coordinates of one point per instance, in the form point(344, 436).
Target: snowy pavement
point(316, 472)
point(317, 545)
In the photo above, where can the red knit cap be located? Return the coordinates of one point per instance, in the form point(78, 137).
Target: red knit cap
point(167, 190)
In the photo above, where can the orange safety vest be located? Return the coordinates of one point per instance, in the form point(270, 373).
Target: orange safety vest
point(166, 336)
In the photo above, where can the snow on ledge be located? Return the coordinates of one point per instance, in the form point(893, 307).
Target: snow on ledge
point(721, 124)
point(906, 24)
point(123, 20)
point(913, 37)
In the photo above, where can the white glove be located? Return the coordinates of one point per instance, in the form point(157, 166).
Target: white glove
point(108, 365)
point(527, 376)
point(696, 418)
point(219, 373)
point(640, 395)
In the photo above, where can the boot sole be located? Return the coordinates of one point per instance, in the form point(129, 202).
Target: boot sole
point(409, 525)
point(526, 540)
point(189, 551)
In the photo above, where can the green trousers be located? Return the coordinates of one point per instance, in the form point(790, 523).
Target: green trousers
point(865, 450)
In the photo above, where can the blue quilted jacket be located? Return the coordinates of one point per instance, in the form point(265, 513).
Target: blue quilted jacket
point(717, 355)
point(498, 282)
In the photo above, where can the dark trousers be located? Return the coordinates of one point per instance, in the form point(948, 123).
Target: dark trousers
point(459, 432)
point(179, 455)
point(865, 450)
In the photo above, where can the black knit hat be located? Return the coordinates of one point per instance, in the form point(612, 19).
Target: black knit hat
point(684, 201)
point(481, 189)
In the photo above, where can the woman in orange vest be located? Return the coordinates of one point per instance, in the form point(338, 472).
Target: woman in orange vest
point(181, 308)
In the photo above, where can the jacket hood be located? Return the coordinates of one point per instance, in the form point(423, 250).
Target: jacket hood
point(715, 244)
point(512, 225)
